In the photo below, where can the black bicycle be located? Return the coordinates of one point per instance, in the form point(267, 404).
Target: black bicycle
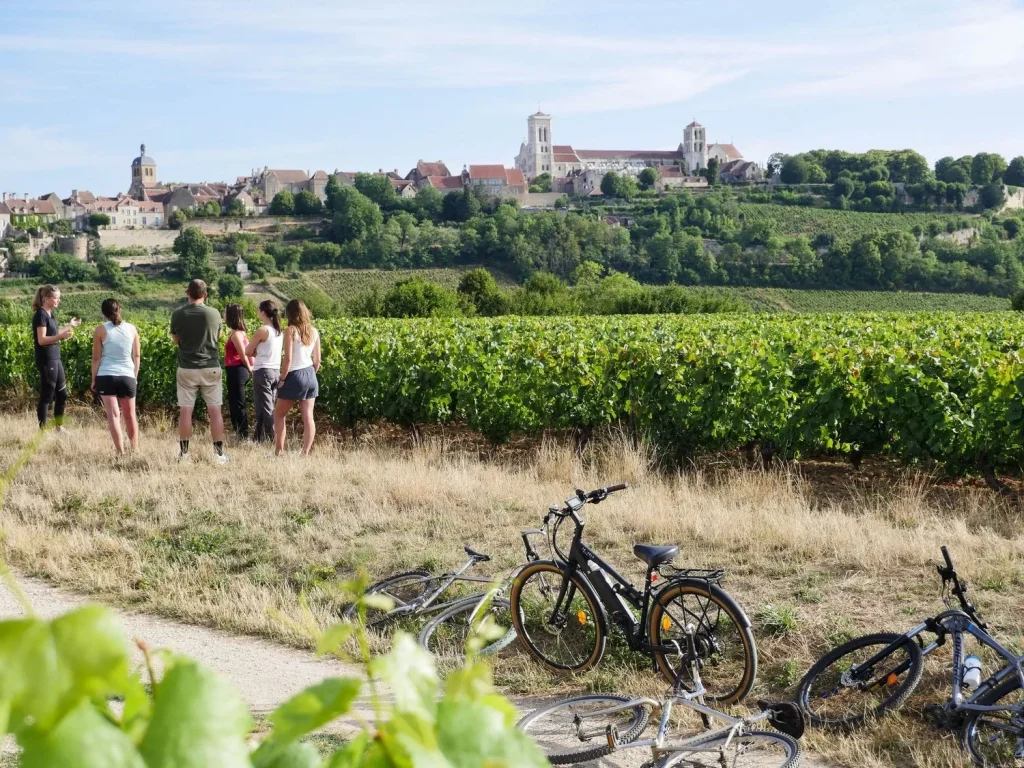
point(875, 674)
point(561, 609)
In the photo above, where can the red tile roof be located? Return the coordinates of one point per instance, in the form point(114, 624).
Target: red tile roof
point(4, 209)
point(319, 175)
point(730, 151)
point(30, 207)
point(514, 176)
point(445, 182)
point(565, 157)
point(432, 169)
point(630, 154)
point(487, 172)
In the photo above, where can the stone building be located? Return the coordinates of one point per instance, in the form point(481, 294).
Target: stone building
point(143, 174)
point(496, 180)
point(538, 154)
point(27, 211)
point(270, 181)
point(423, 171)
point(5, 220)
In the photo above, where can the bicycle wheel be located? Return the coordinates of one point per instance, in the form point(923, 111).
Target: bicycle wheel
point(996, 739)
point(754, 749)
point(554, 728)
point(446, 635)
point(722, 637)
point(571, 639)
point(403, 588)
point(830, 695)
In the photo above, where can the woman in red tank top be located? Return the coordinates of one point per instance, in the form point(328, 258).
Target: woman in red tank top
point(238, 368)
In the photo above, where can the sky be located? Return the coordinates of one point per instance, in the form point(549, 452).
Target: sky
point(215, 88)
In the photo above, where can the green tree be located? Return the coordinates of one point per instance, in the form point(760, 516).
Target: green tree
point(428, 203)
point(480, 288)
point(331, 190)
point(1015, 172)
point(260, 264)
point(193, 250)
point(235, 207)
point(649, 178)
point(843, 187)
point(794, 171)
point(460, 206)
point(355, 216)
point(230, 286)
point(987, 168)
point(179, 218)
point(378, 188)
point(816, 174)
point(307, 204)
point(712, 171)
point(98, 220)
point(992, 196)
point(588, 272)
point(775, 162)
point(63, 268)
point(283, 204)
point(420, 298)
point(61, 227)
point(610, 184)
point(541, 183)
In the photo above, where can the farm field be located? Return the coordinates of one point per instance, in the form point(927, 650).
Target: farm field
point(803, 301)
point(813, 557)
point(342, 285)
point(922, 387)
point(842, 225)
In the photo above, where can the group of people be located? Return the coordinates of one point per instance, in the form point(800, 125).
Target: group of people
point(281, 362)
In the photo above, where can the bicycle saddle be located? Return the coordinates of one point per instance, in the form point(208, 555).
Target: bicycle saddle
point(653, 555)
point(476, 555)
point(784, 716)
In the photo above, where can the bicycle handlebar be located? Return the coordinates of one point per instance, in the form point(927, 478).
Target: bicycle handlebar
point(959, 588)
point(946, 557)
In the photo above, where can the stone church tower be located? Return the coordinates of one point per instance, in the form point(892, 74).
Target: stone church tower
point(143, 174)
point(694, 147)
point(535, 155)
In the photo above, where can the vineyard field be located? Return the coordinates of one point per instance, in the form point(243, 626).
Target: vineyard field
point(342, 285)
point(842, 225)
point(939, 386)
point(799, 300)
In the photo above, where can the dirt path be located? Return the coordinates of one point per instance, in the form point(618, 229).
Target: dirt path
point(265, 673)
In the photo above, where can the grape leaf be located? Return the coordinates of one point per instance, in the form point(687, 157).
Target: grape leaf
point(83, 739)
point(297, 755)
point(198, 720)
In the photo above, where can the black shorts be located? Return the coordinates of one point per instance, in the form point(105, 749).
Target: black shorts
point(116, 386)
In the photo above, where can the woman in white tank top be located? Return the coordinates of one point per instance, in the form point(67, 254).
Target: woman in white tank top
point(265, 349)
point(298, 375)
point(116, 356)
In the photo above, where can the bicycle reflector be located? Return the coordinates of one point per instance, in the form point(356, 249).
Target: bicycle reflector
point(666, 623)
point(581, 617)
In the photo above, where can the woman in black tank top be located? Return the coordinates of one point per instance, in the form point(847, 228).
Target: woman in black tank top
point(46, 339)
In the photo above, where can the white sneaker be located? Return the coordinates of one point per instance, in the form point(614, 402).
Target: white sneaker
point(63, 432)
point(221, 459)
point(184, 458)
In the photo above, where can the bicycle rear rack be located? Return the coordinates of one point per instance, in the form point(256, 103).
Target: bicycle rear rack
point(714, 575)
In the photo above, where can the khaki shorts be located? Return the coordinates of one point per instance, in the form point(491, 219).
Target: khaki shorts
point(192, 380)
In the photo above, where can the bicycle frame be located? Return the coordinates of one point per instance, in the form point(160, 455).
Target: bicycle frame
point(955, 624)
point(426, 604)
point(617, 594)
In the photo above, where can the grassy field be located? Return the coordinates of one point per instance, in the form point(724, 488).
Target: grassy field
point(815, 554)
point(342, 285)
point(842, 225)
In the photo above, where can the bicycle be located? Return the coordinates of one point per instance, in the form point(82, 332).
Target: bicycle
point(566, 730)
point(417, 594)
point(989, 716)
point(561, 608)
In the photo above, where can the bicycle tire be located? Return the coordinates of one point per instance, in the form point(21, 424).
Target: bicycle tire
point(891, 703)
point(381, 587)
point(670, 603)
point(985, 751)
point(544, 727)
point(790, 757)
point(464, 610)
point(533, 631)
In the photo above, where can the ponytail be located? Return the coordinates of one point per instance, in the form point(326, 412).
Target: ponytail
point(269, 308)
point(44, 292)
point(111, 309)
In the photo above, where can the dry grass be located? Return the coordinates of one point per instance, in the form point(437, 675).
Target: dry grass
point(231, 547)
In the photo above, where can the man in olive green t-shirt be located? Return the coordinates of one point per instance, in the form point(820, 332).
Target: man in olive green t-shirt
point(195, 328)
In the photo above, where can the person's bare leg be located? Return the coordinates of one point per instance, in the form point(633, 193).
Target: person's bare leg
point(114, 422)
point(216, 424)
point(185, 423)
point(131, 421)
point(308, 425)
point(281, 409)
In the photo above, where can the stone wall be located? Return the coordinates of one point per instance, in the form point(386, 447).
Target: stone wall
point(225, 226)
point(541, 199)
point(146, 238)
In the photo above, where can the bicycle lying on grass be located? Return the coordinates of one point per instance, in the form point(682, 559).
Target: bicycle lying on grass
point(561, 608)
point(875, 674)
point(419, 595)
point(587, 728)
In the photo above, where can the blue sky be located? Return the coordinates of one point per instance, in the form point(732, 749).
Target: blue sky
point(217, 87)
